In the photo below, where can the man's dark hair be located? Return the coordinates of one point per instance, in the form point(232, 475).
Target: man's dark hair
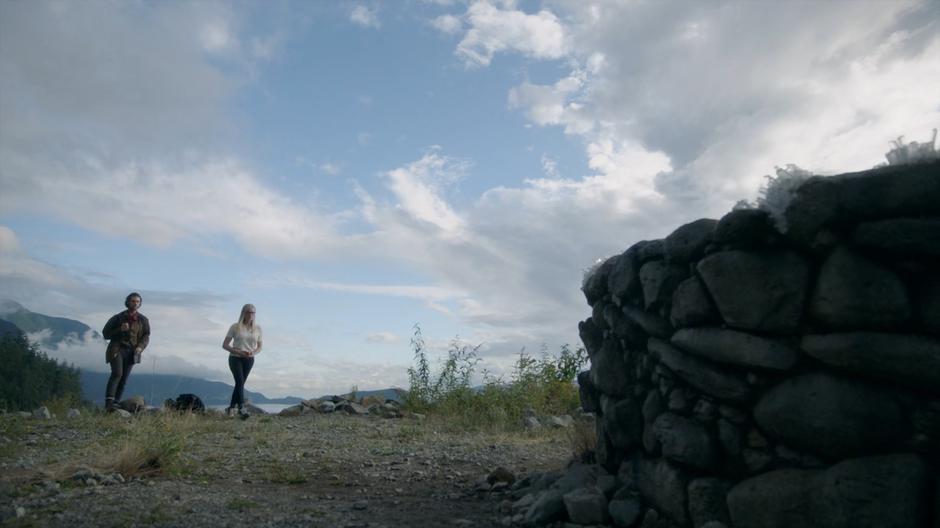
point(127, 300)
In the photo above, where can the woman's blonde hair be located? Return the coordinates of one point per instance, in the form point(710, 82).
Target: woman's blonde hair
point(241, 317)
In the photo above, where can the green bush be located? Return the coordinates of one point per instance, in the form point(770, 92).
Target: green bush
point(544, 385)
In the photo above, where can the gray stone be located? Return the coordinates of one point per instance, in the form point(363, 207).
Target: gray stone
point(796, 458)
point(122, 413)
point(909, 190)
point(586, 506)
point(73, 413)
point(678, 400)
point(326, 406)
point(927, 294)
point(736, 348)
point(624, 423)
point(561, 422)
point(691, 305)
point(293, 410)
point(607, 484)
point(609, 371)
point(652, 324)
point(831, 416)
point(623, 280)
point(134, 404)
point(659, 281)
point(577, 475)
point(743, 228)
point(624, 327)
point(650, 442)
point(647, 250)
point(707, 501)
point(900, 236)
point(909, 360)
point(733, 414)
point(853, 292)
point(531, 423)
point(688, 242)
point(607, 456)
point(699, 373)
point(873, 492)
point(42, 413)
point(624, 512)
point(588, 392)
point(686, 441)
point(757, 291)
point(591, 335)
point(664, 486)
point(653, 406)
point(595, 287)
point(756, 460)
point(705, 411)
point(730, 437)
point(548, 507)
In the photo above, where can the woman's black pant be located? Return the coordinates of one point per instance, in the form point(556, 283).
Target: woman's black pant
point(121, 367)
point(240, 367)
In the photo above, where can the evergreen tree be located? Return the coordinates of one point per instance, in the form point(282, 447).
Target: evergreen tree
point(28, 377)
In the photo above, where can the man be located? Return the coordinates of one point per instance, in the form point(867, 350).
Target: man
point(129, 334)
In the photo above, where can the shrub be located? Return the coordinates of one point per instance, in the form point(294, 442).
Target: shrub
point(913, 152)
point(779, 191)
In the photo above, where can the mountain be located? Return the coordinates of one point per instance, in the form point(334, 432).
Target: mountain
point(6, 327)
point(29, 322)
point(155, 388)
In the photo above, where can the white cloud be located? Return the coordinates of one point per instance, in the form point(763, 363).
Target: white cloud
point(493, 30)
point(365, 16)
point(448, 24)
point(419, 188)
point(385, 338)
point(330, 168)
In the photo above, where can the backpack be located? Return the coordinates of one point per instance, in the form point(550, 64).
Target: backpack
point(189, 403)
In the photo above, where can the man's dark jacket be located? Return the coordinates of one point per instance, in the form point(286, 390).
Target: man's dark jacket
point(136, 338)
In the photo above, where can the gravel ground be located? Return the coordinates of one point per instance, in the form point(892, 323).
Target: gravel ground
point(329, 470)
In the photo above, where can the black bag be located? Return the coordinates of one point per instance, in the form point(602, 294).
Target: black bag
point(189, 403)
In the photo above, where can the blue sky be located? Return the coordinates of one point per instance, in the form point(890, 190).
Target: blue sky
point(354, 168)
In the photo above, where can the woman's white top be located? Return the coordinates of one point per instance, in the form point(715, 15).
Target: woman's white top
point(244, 338)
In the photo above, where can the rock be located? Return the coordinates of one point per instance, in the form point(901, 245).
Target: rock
point(586, 506)
point(647, 250)
point(659, 281)
point(531, 423)
point(900, 236)
point(664, 486)
point(591, 335)
point(254, 409)
point(653, 406)
point(595, 285)
point(650, 323)
point(42, 413)
point(500, 474)
point(624, 423)
point(733, 414)
point(843, 200)
point(736, 348)
point(707, 501)
point(134, 404)
point(883, 492)
point(688, 242)
point(685, 441)
point(757, 291)
point(122, 413)
point(561, 422)
point(356, 409)
point(909, 360)
point(756, 460)
point(714, 524)
point(927, 295)
point(608, 371)
point(678, 400)
point(588, 392)
point(624, 327)
point(691, 305)
point(293, 410)
point(730, 437)
point(624, 511)
point(325, 407)
point(607, 484)
point(577, 475)
point(623, 280)
point(705, 411)
point(73, 413)
point(699, 373)
point(853, 292)
point(743, 228)
point(831, 416)
point(548, 507)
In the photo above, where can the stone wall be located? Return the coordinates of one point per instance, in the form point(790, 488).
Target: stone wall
point(766, 379)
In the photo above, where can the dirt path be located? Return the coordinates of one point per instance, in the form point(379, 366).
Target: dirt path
point(313, 470)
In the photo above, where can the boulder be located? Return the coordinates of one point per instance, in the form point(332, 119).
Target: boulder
point(609, 371)
point(736, 348)
point(730, 437)
point(847, 199)
point(548, 507)
point(587, 392)
point(594, 286)
point(900, 236)
point(664, 486)
point(743, 228)
point(653, 406)
point(831, 416)
point(560, 422)
point(853, 292)
point(623, 327)
point(325, 407)
point(623, 279)
point(586, 506)
point(875, 492)
point(707, 501)
point(591, 335)
point(652, 324)
point(659, 281)
point(73, 413)
point(701, 374)
point(647, 250)
point(761, 291)
point(293, 410)
point(909, 360)
point(624, 509)
point(688, 242)
point(691, 305)
point(624, 423)
point(685, 441)
point(134, 404)
point(42, 413)
point(927, 293)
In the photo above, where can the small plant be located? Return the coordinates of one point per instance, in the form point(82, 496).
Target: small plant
point(913, 152)
point(285, 474)
point(582, 438)
point(779, 191)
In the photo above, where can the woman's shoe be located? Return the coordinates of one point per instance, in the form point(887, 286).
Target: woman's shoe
point(230, 411)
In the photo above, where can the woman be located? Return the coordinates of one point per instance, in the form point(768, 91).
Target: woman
point(243, 342)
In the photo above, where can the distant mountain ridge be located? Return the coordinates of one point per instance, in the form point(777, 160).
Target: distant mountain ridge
point(29, 322)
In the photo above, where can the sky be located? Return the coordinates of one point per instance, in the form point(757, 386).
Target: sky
point(355, 168)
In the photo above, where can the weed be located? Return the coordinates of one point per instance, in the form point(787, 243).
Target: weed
point(285, 474)
point(582, 438)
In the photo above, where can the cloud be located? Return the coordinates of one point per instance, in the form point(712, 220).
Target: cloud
point(448, 24)
point(385, 338)
point(330, 168)
point(493, 30)
point(419, 186)
point(365, 16)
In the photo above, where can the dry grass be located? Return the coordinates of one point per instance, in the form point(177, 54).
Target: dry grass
point(582, 438)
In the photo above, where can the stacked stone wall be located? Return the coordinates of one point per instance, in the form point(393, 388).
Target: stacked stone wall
point(754, 376)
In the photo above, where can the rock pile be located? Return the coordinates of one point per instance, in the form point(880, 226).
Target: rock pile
point(387, 409)
point(744, 377)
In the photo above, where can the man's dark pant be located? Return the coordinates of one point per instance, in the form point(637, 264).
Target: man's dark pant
point(240, 368)
point(120, 370)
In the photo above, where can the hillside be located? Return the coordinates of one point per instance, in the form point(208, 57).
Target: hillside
point(60, 328)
